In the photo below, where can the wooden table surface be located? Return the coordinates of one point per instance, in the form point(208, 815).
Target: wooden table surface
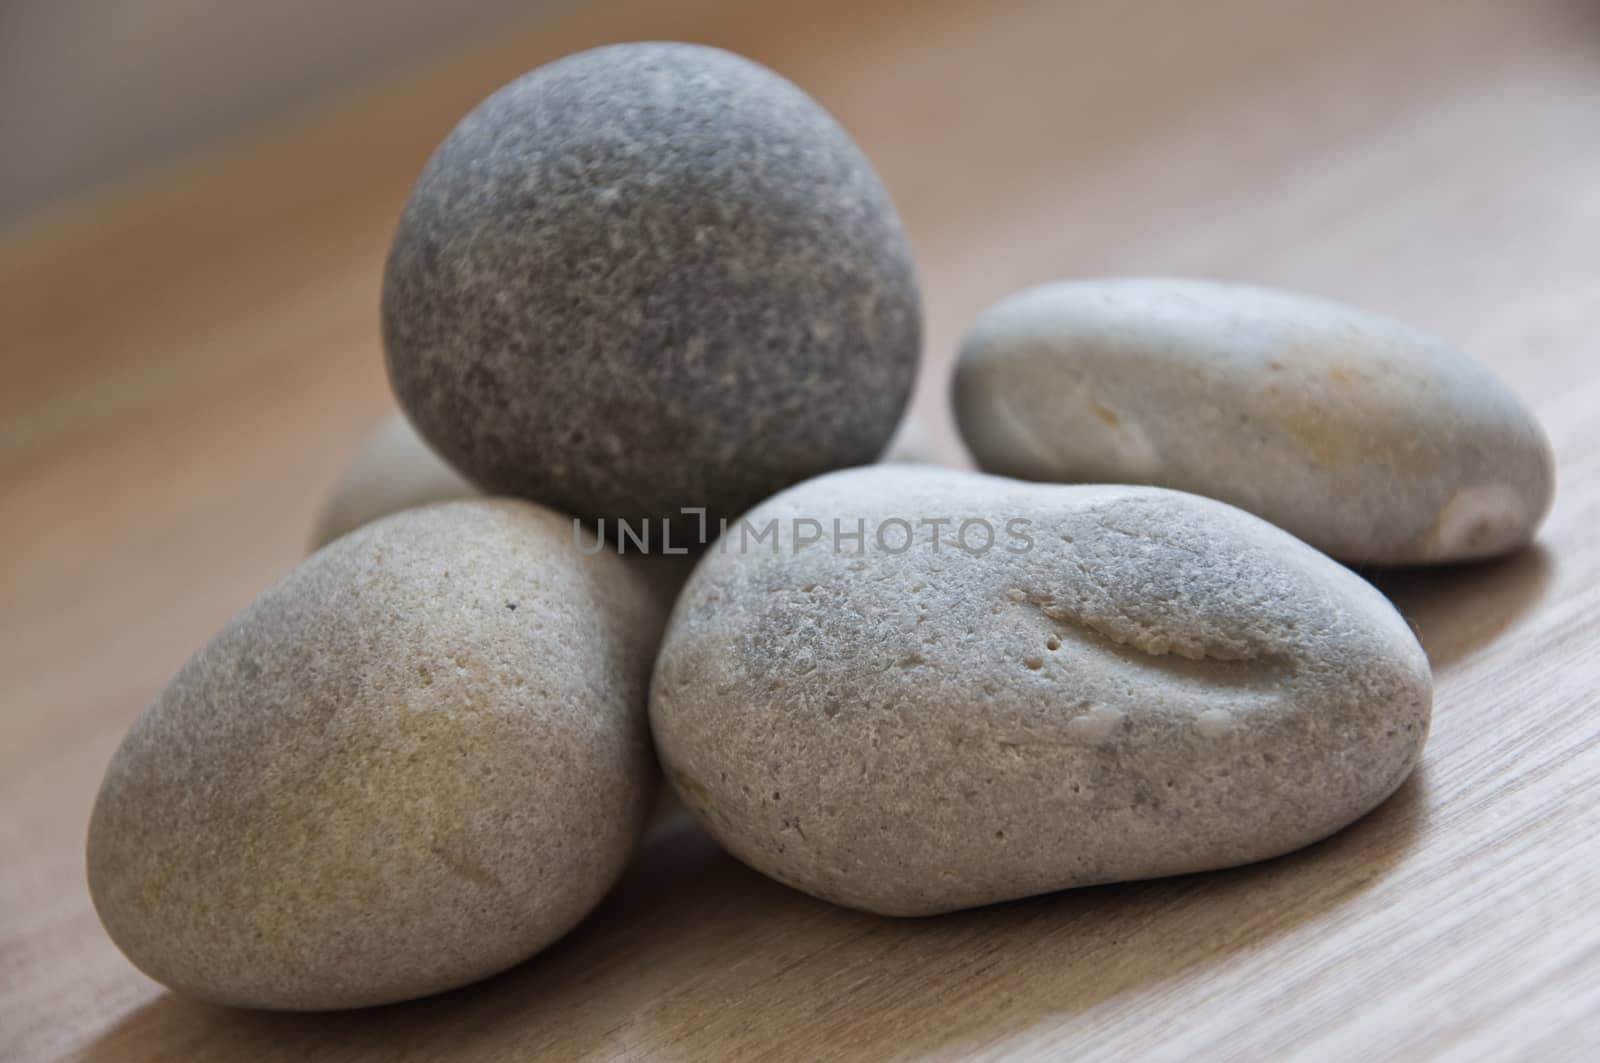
point(188, 358)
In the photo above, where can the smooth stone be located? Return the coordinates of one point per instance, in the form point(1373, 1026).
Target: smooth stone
point(913, 443)
point(1372, 441)
point(417, 760)
point(649, 277)
point(394, 469)
point(1159, 684)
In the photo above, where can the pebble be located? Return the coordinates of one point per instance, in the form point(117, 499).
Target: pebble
point(417, 760)
point(393, 470)
point(1113, 683)
point(648, 277)
point(1369, 440)
point(914, 443)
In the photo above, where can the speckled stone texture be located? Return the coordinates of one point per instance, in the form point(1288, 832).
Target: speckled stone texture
point(650, 276)
point(417, 760)
point(1161, 684)
point(393, 470)
point(1373, 442)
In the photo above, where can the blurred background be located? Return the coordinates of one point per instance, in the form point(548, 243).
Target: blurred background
point(92, 88)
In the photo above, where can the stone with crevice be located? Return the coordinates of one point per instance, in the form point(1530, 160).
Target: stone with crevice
point(1157, 683)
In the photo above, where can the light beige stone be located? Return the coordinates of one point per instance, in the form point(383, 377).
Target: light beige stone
point(1131, 682)
point(913, 443)
point(418, 759)
point(393, 470)
point(1371, 441)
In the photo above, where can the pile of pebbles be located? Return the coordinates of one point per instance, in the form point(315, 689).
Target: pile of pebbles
point(655, 286)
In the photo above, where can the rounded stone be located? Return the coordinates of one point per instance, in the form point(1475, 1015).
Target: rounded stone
point(418, 759)
point(1113, 683)
point(649, 277)
point(393, 470)
point(913, 443)
point(1371, 441)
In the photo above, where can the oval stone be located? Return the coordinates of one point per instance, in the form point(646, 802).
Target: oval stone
point(1371, 441)
point(418, 759)
point(1109, 683)
point(649, 277)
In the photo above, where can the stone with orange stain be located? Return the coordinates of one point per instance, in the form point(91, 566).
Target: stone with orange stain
point(1371, 441)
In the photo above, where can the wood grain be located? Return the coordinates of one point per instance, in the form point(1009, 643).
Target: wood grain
point(188, 358)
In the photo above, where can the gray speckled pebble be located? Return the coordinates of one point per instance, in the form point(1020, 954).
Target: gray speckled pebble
point(1161, 684)
point(418, 759)
point(1371, 441)
point(650, 276)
